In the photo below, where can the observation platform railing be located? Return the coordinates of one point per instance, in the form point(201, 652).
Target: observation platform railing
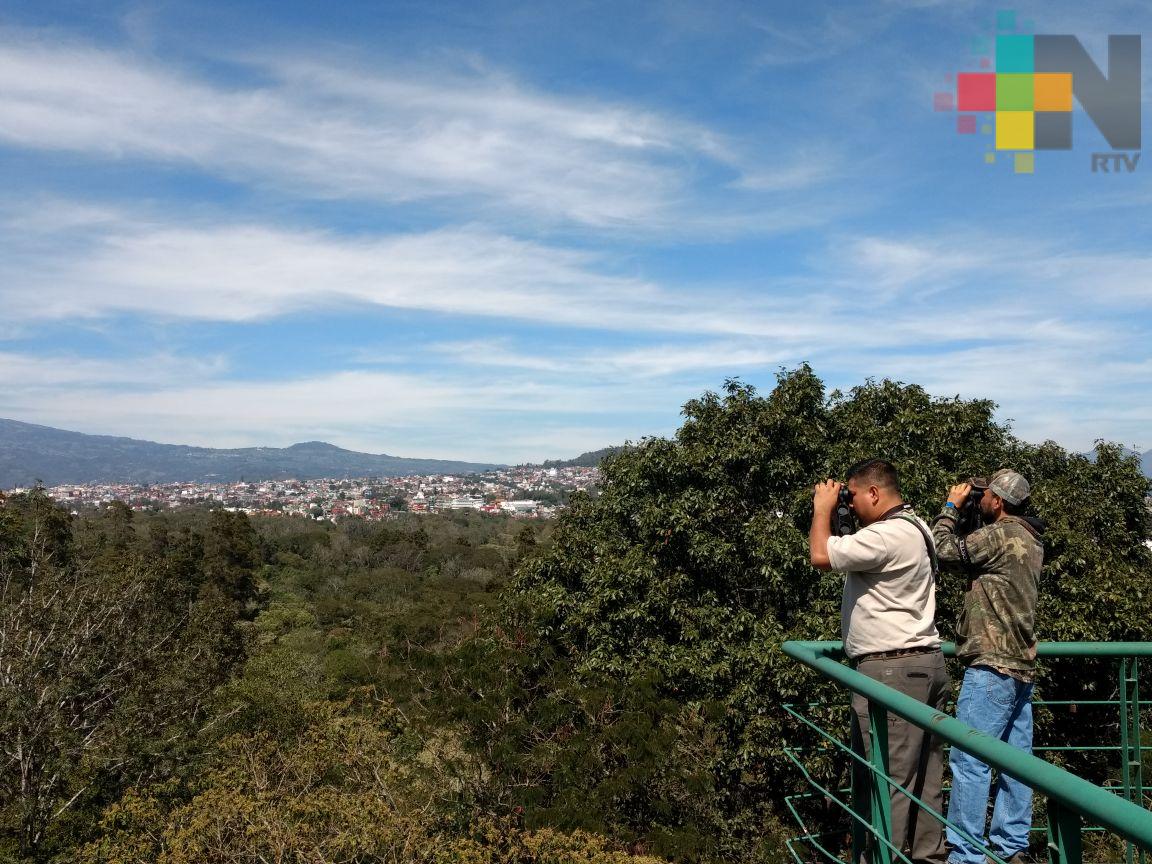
point(1067, 805)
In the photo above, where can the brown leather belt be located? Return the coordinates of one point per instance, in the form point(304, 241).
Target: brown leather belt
point(892, 655)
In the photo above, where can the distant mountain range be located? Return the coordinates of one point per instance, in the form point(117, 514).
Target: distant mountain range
point(53, 456)
point(29, 453)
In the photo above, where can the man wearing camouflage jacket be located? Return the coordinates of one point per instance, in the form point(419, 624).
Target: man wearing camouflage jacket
point(995, 641)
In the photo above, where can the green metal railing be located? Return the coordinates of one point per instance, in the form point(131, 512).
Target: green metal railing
point(1074, 804)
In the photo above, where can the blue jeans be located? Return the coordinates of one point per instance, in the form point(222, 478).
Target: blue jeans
point(1001, 706)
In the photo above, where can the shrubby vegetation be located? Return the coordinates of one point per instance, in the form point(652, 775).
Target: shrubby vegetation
point(201, 687)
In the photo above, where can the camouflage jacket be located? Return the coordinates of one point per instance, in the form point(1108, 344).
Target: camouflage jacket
point(1002, 564)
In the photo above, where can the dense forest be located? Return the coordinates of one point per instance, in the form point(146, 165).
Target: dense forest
point(199, 686)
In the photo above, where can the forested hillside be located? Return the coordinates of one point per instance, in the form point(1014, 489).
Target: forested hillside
point(201, 687)
point(31, 453)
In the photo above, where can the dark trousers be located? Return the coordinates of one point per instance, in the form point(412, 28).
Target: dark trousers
point(915, 759)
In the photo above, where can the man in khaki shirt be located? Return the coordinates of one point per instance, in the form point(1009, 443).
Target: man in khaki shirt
point(889, 631)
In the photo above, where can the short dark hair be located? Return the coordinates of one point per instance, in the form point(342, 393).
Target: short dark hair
point(876, 472)
point(1014, 509)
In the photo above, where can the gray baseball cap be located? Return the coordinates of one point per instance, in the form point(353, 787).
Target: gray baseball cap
point(1010, 486)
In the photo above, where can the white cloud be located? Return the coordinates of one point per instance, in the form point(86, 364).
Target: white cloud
point(497, 353)
point(1063, 277)
point(1052, 342)
point(100, 263)
point(396, 413)
point(365, 134)
point(808, 34)
point(40, 373)
point(555, 410)
point(1061, 382)
point(1115, 280)
point(891, 266)
point(246, 272)
point(646, 362)
point(97, 266)
point(815, 167)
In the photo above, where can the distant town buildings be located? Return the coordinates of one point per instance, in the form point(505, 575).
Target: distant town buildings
point(529, 492)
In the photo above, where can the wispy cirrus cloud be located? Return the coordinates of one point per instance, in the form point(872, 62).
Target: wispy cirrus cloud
point(1066, 389)
point(654, 361)
point(95, 263)
point(102, 263)
point(322, 129)
point(251, 271)
point(988, 267)
point(29, 372)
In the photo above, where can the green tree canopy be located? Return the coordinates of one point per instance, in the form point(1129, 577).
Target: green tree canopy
point(109, 657)
point(634, 684)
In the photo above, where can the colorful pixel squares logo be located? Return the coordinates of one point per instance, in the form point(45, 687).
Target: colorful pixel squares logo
point(1022, 97)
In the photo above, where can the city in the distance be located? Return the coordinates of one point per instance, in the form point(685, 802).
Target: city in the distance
point(312, 479)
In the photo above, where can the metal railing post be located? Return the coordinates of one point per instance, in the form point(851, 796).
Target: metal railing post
point(878, 784)
point(1131, 751)
point(1138, 743)
point(1063, 835)
point(861, 805)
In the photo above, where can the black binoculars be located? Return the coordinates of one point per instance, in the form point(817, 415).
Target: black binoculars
point(843, 519)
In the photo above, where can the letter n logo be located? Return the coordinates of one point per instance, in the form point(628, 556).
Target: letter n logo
point(1112, 102)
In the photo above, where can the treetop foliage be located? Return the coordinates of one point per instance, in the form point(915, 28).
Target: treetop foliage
point(669, 594)
point(201, 686)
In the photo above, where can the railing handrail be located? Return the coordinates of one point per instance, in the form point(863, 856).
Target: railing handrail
point(835, 649)
point(1076, 793)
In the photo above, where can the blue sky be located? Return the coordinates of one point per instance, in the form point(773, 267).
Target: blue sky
point(515, 231)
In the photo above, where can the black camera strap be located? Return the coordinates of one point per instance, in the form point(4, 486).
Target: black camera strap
point(904, 512)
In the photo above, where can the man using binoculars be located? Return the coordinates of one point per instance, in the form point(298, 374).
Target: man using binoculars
point(888, 625)
point(996, 642)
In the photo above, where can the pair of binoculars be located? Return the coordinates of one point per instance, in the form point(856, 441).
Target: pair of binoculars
point(970, 517)
point(843, 519)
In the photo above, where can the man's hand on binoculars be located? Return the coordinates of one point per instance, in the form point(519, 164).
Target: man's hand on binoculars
point(958, 494)
point(824, 496)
